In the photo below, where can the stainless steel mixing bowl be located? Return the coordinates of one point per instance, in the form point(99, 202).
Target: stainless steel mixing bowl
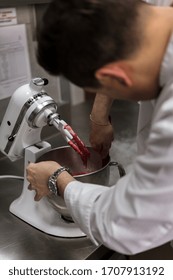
point(97, 171)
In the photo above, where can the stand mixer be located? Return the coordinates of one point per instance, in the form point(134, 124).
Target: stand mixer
point(29, 110)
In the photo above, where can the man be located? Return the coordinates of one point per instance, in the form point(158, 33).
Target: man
point(128, 56)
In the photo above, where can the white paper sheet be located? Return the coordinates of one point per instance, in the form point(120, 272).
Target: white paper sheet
point(14, 59)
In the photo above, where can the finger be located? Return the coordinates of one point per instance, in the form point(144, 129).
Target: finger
point(105, 152)
point(29, 168)
point(31, 187)
point(97, 148)
point(37, 197)
point(28, 177)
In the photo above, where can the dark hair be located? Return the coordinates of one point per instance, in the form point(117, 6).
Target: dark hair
point(77, 37)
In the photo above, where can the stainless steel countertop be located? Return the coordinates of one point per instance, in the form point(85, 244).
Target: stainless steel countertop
point(19, 240)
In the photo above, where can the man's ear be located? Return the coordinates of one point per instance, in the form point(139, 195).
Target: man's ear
point(114, 71)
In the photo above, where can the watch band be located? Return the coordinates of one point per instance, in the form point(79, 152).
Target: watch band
point(52, 185)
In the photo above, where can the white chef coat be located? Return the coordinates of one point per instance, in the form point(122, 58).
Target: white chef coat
point(136, 214)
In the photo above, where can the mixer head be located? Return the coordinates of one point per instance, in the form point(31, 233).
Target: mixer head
point(24, 118)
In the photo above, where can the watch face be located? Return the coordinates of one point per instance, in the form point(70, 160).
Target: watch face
point(52, 187)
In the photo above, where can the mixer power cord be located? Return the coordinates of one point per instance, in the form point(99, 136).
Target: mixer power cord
point(11, 177)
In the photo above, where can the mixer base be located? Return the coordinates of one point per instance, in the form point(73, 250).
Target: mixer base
point(45, 218)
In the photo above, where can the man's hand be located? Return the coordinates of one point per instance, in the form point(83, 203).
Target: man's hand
point(38, 175)
point(101, 132)
point(101, 138)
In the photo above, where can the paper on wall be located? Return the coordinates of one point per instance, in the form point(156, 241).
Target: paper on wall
point(14, 59)
point(8, 16)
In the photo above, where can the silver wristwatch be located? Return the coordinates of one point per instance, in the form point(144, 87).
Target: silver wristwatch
point(52, 185)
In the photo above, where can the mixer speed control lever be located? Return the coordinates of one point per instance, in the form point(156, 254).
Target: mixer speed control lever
point(11, 138)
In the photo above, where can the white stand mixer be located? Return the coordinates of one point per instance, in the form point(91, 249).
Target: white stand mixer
point(29, 110)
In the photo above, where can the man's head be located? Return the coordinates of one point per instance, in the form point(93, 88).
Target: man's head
point(78, 37)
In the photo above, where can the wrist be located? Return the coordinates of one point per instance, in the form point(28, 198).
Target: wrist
point(52, 181)
point(101, 121)
point(62, 181)
point(101, 108)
